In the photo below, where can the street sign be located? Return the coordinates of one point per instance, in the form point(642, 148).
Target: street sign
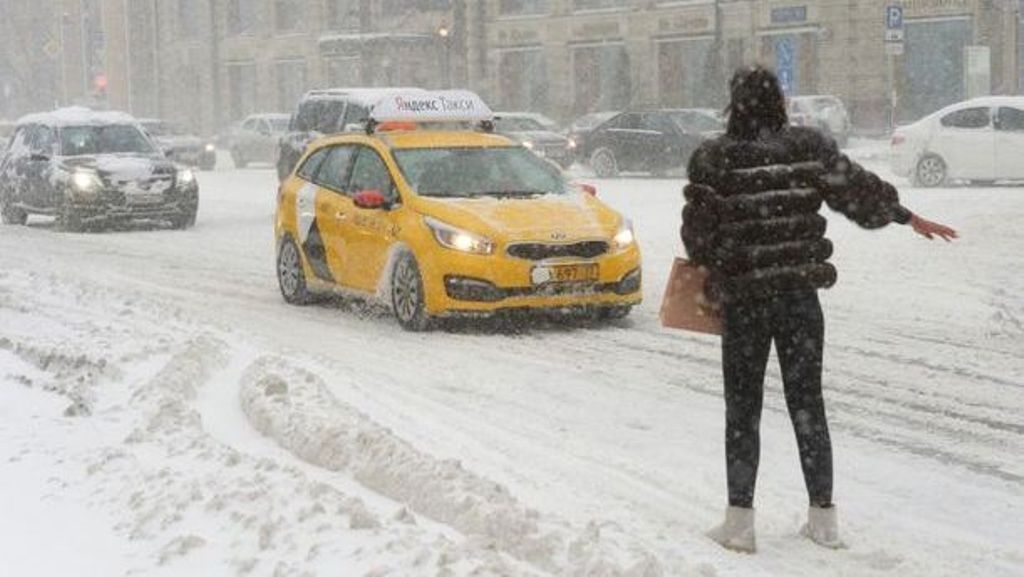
point(894, 24)
point(894, 48)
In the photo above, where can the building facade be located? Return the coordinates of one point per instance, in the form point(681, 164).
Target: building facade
point(207, 63)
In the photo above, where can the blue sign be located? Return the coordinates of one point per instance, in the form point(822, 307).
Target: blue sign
point(893, 17)
point(785, 63)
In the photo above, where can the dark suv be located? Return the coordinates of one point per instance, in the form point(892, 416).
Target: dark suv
point(653, 141)
point(90, 169)
point(323, 112)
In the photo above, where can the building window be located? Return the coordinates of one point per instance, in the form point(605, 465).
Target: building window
point(408, 6)
point(287, 15)
point(190, 15)
point(243, 17)
point(602, 78)
point(585, 5)
point(685, 73)
point(523, 78)
point(242, 83)
point(291, 82)
point(342, 14)
point(343, 70)
point(522, 7)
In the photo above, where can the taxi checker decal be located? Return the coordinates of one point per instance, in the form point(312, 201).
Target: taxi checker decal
point(309, 233)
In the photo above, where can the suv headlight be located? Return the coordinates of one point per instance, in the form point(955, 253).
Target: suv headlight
point(186, 176)
point(457, 239)
point(210, 147)
point(624, 238)
point(85, 185)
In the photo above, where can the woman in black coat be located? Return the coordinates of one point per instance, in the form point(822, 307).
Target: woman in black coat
point(751, 218)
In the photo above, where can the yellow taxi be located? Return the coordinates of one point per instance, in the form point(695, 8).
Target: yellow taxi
point(436, 216)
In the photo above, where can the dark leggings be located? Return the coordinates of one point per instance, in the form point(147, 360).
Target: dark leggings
point(794, 322)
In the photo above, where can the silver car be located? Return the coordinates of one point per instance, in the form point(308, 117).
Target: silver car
point(257, 139)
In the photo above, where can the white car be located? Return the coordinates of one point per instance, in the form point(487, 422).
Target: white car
point(980, 140)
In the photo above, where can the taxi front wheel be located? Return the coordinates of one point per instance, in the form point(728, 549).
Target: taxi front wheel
point(407, 298)
point(290, 275)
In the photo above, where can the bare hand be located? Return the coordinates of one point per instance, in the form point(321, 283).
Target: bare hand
point(930, 230)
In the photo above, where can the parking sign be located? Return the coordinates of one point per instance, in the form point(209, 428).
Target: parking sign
point(894, 23)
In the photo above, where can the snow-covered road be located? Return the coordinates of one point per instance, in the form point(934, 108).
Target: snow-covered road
point(157, 393)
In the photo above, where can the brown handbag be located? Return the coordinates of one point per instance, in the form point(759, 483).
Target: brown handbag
point(684, 305)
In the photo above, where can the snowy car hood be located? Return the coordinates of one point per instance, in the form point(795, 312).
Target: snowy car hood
point(564, 218)
point(122, 168)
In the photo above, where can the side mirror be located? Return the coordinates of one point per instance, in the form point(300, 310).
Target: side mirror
point(39, 157)
point(369, 199)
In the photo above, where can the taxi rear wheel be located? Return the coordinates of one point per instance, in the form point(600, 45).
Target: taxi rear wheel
point(407, 298)
point(290, 276)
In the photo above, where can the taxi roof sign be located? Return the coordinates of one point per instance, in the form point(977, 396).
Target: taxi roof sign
point(434, 106)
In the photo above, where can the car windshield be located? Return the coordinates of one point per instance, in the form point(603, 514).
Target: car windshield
point(477, 172)
point(517, 124)
point(103, 139)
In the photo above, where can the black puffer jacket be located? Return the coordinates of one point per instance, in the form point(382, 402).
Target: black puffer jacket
point(751, 213)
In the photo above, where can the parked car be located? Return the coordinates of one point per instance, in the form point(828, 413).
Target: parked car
point(826, 113)
point(582, 126)
point(257, 139)
point(527, 129)
point(90, 169)
point(653, 141)
point(980, 141)
point(330, 111)
point(179, 144)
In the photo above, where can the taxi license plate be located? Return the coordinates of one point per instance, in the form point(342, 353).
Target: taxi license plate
point(565, 273)
point(144, 198)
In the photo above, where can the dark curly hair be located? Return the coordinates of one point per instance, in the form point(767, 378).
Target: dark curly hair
point(756, 104)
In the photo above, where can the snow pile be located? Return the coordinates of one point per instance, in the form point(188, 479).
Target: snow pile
point(293, 406)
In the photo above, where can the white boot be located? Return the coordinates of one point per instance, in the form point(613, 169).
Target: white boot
point(737, 532)
point(823, 527)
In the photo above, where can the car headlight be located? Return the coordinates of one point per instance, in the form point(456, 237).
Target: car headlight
point(528, 145)
point(210, 148)
point(625, 237)
point(457, 239)
point(186, 176)
point(571, 144)
point(85, 185)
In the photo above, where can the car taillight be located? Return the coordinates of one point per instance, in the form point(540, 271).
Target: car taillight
point(898, 139)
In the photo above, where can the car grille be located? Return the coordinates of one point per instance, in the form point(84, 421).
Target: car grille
point(542, 251)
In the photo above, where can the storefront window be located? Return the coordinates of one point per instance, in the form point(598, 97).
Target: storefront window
point(934, 65)
point(291, 82)
point(524, 80)
point(683, 73)
point(242, 89)
point(602, 78)
point(522, 7)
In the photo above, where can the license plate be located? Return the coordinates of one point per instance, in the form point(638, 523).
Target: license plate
point(565, 273)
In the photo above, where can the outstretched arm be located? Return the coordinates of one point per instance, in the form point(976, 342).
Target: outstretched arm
point(868, 200)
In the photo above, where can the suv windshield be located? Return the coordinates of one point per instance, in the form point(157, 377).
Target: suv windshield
point(474, 172)
point(105, 139)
